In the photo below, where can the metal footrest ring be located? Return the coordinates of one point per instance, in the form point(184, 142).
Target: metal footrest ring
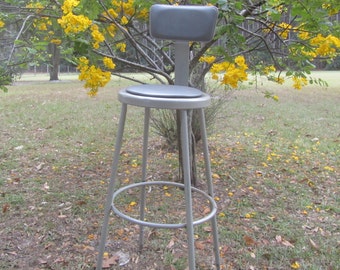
point(210, 215)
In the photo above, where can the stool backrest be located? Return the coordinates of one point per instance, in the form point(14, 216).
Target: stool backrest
point(183, 23)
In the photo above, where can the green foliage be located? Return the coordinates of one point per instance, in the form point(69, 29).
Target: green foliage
point(6, 78)
point(334, 64)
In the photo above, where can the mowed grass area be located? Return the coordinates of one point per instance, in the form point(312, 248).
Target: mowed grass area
point(275, 167)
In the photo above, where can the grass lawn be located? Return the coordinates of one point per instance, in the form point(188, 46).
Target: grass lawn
point(275, 167)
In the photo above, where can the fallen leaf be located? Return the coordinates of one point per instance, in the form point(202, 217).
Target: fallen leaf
point(199, 245)
point(107, 263)
point(315, 246)
point(81, 202)
point(206, 210)
point(278, 238)
point(40, 166)
point(46, 186)
point(41, 261)
point(215, 176)
point(207, 229)
point(249, 241)
point(5, 208)
point(171, 244)
point(282, 241)
point(20, 147)
point(287, 243)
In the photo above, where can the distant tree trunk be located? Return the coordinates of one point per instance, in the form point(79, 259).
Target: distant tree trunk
point(54, 50)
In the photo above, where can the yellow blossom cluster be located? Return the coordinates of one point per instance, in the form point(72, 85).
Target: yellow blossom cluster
point(325, 46)
point(68, 5)
point(233, 72)
point(97, 36)
point(124, 20)
point(56, 41)
point(42, 24)
point(38, 6)
point(143, 14)
point(111, 30)
point(70, 22)
point(208, 59)
point(110, 13)
point(304, 35)
point(321, 45)
point(269, 69)
point(2, 23)
point(93, 76)
point(124, 7)
point(284, 30)
point(121, 46)
point(299, 81)
point(108, 63)
point(331, 10)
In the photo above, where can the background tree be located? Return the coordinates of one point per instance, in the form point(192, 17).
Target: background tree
point(30, 35)
point(277, 39)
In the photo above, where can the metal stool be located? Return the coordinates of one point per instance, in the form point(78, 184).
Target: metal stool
point(181, 24)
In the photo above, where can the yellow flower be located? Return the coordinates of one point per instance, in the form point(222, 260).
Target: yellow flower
point(121, 46)
point(239, 60)
point(208, 59)
point(127, 7)
point(329, 168)
point(42, 26)
point(133, 203)
point(38, 6)
point(234, 72)
point(269, 69)
point(93, 76)
point(284, 31)
point(109, 63)
point(295, 265)
point(250, 215)
point(299, 82)
point(74, 23)
point(68, 5)
point(143, 14)
point(325, 46)
point(56, 41)
point(111, 29)
point(276, 98)
point(221, 215)
point(304, 35)
point(124, 20)
point(111, 13)
point(279, 80)
point(96, 34)
point(2, 23)
point(83, 61)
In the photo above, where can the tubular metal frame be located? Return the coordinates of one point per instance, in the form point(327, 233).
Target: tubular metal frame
point(190, 223)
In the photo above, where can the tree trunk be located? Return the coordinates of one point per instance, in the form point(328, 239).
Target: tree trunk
point(54, 50)
point(192, 149)
point(197, 80)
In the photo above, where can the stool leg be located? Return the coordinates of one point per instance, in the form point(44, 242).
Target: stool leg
point(108, 204)
point(144, 167)
point(210, 185)
point(187, 187)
